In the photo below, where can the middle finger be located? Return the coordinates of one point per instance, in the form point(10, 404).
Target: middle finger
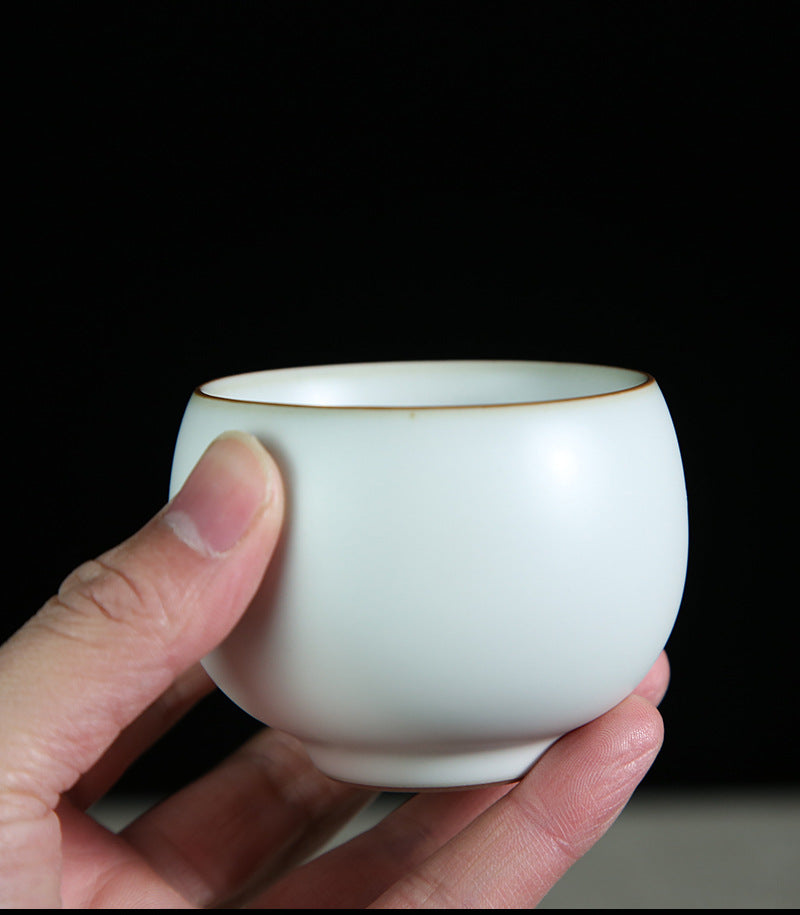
point(232, 831)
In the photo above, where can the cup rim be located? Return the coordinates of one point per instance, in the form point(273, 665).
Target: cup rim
point(200, 390)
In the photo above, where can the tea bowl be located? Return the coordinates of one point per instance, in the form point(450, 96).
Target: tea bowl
point(478, 556)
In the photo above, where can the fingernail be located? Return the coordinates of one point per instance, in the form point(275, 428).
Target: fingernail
point(228, 486)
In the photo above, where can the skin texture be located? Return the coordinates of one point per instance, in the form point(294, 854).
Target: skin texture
point(112, 661)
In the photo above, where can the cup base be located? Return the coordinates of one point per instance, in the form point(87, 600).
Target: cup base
point(426, 770)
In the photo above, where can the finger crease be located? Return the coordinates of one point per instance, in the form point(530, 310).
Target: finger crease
point(549, 827)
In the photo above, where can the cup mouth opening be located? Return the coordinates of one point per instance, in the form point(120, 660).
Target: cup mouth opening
point(454, 384)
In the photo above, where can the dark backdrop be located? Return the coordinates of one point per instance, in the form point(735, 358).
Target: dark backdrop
point(209, 188)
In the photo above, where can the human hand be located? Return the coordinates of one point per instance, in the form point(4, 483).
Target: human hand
point(112, 661)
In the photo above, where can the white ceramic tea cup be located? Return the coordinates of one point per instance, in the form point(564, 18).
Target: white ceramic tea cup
point(478, 556)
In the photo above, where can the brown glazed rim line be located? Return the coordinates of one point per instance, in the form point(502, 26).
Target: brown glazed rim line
point(648, 380)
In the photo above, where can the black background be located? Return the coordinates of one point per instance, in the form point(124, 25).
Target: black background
point(209, 188)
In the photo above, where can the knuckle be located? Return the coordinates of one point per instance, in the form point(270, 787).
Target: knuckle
point(104, 589)
point(420, 890)
point(284, 772)
point(567, 839)
point(83, 575)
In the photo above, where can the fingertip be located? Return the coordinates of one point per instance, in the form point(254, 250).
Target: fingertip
point(268, 464)
point(235, 480)
point(645, 724)
point(626, 739)
point(655, 683)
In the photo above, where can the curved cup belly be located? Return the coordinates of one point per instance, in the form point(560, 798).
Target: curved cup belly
point(454, 589)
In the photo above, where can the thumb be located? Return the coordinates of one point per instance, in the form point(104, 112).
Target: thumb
point(124, 626)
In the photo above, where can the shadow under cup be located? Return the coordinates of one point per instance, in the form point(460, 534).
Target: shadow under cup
point(478, 556)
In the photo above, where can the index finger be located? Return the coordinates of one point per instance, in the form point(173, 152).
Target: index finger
point(514, 852)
